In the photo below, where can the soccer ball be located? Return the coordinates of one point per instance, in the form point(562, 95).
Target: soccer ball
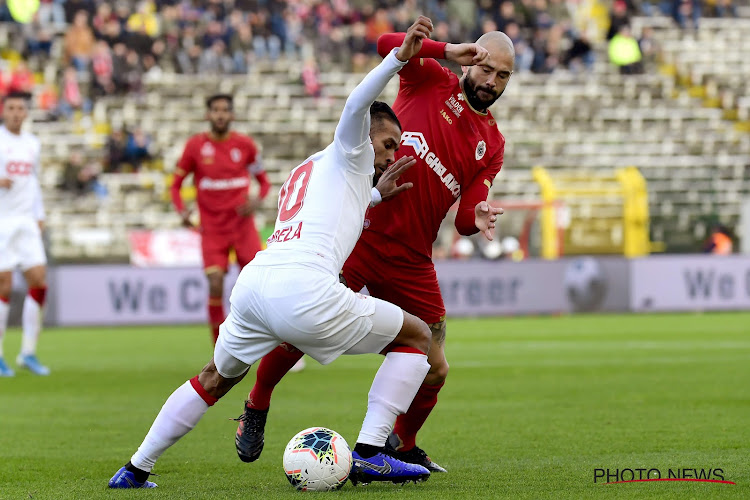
point(317, 459)
point(585, 284)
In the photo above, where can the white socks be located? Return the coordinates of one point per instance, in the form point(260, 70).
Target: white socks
point(31, 325)
point(4, 310)
point(391, 394)
point(179, 415)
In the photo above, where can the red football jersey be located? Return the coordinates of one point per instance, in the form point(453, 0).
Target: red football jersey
point(459, 152)
point(220, 174)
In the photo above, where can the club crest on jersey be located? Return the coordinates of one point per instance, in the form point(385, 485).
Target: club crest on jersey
point(236, 155)
point(481, 149)
point(207, 149)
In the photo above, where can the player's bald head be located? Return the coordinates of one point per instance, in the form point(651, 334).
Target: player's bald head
point(497, 43)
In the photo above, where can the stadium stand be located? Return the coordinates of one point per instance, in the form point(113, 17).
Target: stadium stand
point(683, 122)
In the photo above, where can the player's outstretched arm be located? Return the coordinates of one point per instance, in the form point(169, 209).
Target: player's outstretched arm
point(353, 129)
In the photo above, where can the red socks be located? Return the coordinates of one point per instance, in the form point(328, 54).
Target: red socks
point(408, 424)
point(38, 294)
point(271, 370)
point(215, 315)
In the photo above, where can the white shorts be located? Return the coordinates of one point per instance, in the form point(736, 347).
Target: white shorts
point(307, 308)
point(21, 244)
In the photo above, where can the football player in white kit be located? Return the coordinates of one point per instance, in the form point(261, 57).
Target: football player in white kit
point(21, 215)
point(291, 292)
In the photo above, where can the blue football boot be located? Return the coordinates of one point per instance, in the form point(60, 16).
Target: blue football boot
point(5, 370)
point(31, 363)
point(382, 467)
point(126, 479)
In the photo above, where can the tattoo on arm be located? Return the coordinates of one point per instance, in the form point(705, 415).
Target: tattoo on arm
point(438, 332)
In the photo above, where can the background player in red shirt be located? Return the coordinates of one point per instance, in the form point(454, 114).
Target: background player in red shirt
point(459, 149)
point(221, 162)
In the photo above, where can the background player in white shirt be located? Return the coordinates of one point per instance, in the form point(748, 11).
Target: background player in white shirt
point(291, 292)
point(21, 218)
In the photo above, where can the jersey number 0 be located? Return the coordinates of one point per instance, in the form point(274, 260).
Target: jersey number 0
point(292, 194)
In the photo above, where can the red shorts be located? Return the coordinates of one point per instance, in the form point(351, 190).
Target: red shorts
point(409, 282)
point(216, 244)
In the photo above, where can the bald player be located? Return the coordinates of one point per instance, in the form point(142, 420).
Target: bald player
point(448, 128)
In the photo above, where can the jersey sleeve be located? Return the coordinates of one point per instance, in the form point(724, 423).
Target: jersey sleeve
point(420, 68)
point(185, 166)
point(353, 130)
point(477, 191)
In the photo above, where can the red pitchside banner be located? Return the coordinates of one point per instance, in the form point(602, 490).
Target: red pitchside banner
point(165, 248)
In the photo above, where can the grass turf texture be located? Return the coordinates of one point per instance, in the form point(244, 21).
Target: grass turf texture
point(531, 408)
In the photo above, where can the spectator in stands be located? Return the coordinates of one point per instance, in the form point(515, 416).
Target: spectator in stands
point(648, 45)
point(72, 7)
point(80, 177)
point(103, 69)
point(116, 144)
point(311, 79)
point(618, 17)
point(241, 48)
point(524, 52)
point(215, 60)
point(719, 242)
point(624, 52)
point(51, 14)
point(47, 99)
point(21, 79)
point(580, 56)
point(72, 99)
point(102, 18)
point(725, 8)
point(79, 42)
point(137, 149)
point(682, 10)
point(144, 20)
point(133, 72)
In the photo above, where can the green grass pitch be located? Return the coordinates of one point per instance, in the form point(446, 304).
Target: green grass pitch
point(531, 408)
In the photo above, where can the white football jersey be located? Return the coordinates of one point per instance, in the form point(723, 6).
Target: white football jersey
point(322, 204)
point(19, 161)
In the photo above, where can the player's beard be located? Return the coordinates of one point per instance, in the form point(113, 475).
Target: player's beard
point(471, 89)
point(219, 130)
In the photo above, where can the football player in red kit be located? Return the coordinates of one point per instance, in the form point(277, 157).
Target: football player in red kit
point(221, 162)
point(447, 126)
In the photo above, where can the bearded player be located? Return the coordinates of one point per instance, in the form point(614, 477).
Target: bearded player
point(221, 162)
point(447, 126)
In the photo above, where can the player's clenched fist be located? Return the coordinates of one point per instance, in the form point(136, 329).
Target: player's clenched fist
point(412, 44)
point(485, 217)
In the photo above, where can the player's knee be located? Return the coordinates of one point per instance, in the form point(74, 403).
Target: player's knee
point(438, 373)
point(6, 284)
point(215, 285)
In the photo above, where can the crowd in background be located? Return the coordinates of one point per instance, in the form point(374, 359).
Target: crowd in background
point(112, 47)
